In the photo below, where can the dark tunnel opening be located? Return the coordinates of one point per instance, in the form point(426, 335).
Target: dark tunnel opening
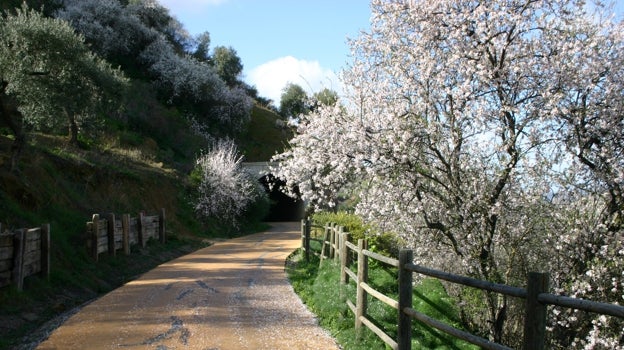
point(283, 207)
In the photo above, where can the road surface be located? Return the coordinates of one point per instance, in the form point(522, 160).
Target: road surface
point(231, 295)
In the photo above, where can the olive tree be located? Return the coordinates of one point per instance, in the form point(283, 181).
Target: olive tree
point(49, 76)
point(143, 37)
point(227, 64)
point(293, 101)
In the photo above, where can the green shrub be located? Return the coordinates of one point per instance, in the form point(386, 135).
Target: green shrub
point(386, 243)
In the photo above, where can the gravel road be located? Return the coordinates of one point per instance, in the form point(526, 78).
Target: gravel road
point(231, 295)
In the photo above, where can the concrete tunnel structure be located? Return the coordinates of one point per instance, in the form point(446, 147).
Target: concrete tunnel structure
point(283, 207)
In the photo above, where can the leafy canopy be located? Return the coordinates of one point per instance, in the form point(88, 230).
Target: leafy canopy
point(293, 101)
point(49, 74)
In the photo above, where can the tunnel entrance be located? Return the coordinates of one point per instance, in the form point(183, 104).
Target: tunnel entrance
point(283, 207)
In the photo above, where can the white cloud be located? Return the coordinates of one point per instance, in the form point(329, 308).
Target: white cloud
point(271, 77)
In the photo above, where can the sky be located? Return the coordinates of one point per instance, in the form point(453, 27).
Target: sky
point(280, 41)
point(284, 41)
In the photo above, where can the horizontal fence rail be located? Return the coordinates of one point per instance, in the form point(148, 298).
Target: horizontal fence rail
point(468, 281)
point(336, 244)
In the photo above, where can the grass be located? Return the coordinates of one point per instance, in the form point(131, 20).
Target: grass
point(319, 288)
point(63, 186)
point(263, 137)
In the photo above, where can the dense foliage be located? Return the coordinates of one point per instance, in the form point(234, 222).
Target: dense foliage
point(49, 77)
point(488, 134)
point(293, 101)
point(145, 39)
point(171, 97)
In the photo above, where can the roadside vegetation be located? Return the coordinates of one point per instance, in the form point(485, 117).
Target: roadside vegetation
point(320, 289)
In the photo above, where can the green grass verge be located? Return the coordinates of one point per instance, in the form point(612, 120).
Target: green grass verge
point(319, 288)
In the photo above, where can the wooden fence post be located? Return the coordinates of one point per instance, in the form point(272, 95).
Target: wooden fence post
point(308, 232)
point(304, 239)
point(344, 263)
point(161, 226)
point(535, 312)
point(404, 338)
point(337, 237)
point(141, 229)
point(94, 236)
point(324, 245)
point(332, 240)
point(45, 251)
point(338, 249)
point(18, 258)
point(303, 222)
point(362, 277)
point(125, 232)
point(110, 218)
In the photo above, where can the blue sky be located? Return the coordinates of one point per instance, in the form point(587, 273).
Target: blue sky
point(280, 41)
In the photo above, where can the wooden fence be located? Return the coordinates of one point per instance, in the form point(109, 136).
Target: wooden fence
point(24, 252)
point(336, 242)
point(109, 234)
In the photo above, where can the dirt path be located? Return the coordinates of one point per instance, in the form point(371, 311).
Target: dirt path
point(232, 295)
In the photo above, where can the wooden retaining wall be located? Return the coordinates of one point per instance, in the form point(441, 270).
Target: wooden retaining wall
point(24, 252)
point(109, 233)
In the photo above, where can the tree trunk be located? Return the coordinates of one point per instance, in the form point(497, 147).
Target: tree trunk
point(12, 117)
point(16, 150)
point(73, 128)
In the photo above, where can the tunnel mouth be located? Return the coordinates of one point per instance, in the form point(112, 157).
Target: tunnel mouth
point(282, 207)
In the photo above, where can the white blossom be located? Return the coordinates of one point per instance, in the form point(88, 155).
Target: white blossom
point(477, 131)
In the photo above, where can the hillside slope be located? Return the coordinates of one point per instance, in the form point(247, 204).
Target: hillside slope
point(266, 134)
point(65, 186)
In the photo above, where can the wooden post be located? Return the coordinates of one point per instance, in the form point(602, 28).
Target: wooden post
point(332, 240)
point(94, 236)
point(125, 232)
point(45, 251)
point(308, 229)
point(535, 312)
point(110, 218)
point(141, 229)
point(344, 263)
point(362, 277)
point(338, 249)
point(324, 245)
point(161, 226)
point(404, 336)
point(19, 242)
point(303, 235)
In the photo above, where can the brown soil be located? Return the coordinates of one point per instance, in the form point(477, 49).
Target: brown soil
point(231, 295)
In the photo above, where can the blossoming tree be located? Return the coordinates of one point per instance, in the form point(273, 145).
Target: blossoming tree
point(488, 135)
point(224, 190)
